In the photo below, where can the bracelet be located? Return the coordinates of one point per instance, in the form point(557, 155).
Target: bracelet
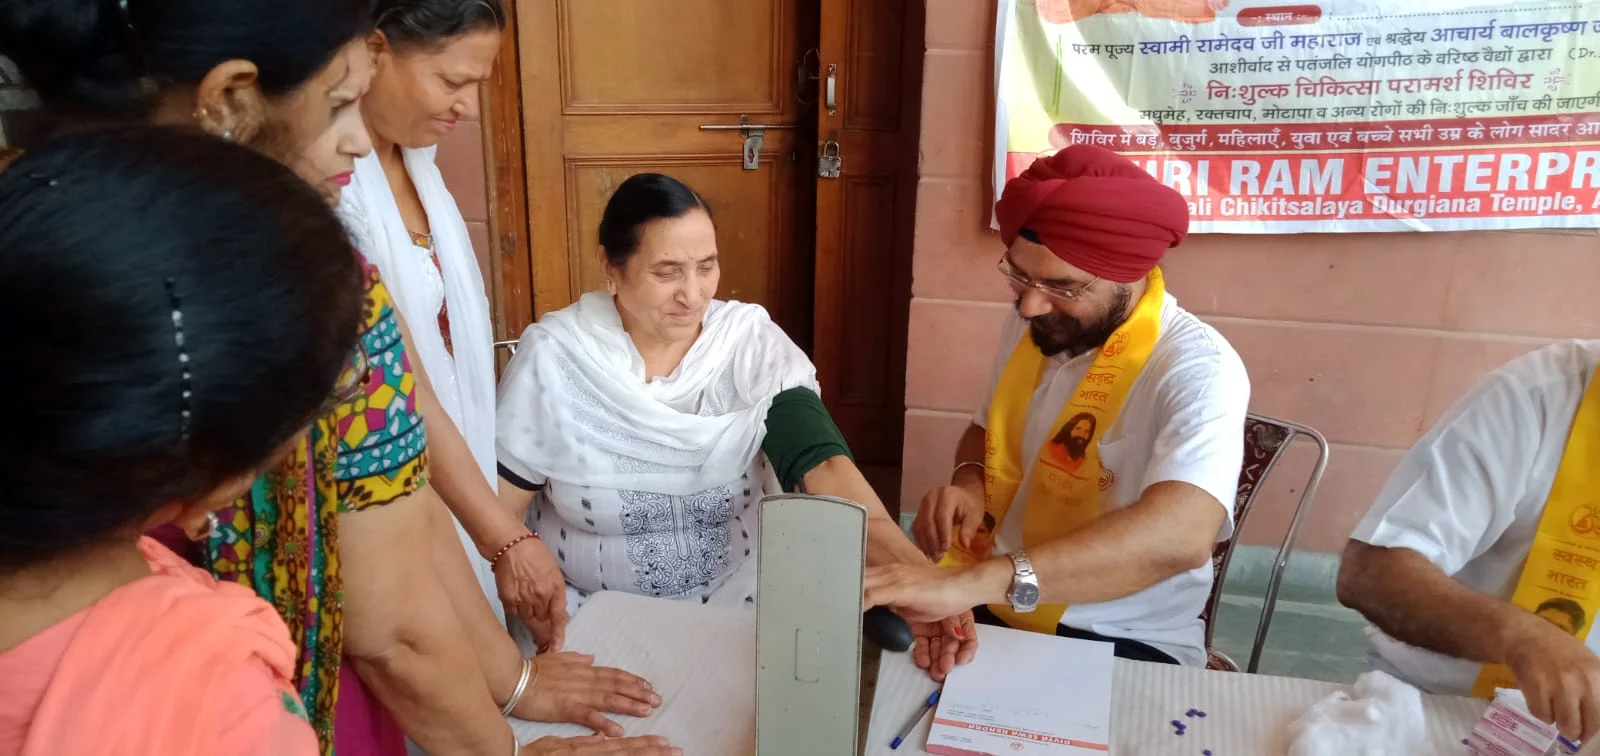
point(494, 561)
point(522, 687)
point(983, 468)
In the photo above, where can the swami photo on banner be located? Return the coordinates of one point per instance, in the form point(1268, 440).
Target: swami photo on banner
point(1343, 115)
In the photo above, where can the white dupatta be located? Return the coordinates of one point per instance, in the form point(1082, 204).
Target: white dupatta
point(575, 407)
point(464, 382)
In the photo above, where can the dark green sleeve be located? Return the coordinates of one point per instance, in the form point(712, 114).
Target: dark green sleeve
point(800, 436)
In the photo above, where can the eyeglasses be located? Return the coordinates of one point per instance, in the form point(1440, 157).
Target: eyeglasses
point(1020, 282)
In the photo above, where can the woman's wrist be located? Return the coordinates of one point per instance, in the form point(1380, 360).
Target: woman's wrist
point(504, 530)
point(499, 554)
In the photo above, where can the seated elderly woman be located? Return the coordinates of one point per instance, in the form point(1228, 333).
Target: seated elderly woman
point(651, 417)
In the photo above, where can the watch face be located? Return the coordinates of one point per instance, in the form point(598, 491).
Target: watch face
point(1025, 595)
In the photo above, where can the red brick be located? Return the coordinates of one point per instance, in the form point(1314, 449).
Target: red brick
point(930, 452)
point(957, 115)
point(961, 24)
point(956, 251)
point(1350, 483)
point(1462, 362)
point(1356, 385)
point(952, 349)
point(460, 159)
point(1387, 279)
point(1525, 283)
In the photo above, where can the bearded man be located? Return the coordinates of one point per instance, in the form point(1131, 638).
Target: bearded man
point(1116, 546)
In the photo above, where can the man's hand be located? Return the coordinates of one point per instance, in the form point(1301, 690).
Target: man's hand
point(594, 745)
point(532, 587)
point(926, 593)
point(940, 646)
point(1558, 674)
point(568, 687)
point(944, 509)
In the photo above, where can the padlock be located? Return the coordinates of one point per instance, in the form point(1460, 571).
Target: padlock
point(829, 163)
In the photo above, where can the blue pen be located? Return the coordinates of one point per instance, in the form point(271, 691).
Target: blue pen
point(933, 700)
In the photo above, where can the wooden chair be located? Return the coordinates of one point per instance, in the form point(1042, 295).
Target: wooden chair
point(1265, 441)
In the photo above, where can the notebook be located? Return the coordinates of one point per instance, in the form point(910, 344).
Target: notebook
point(1026, 694)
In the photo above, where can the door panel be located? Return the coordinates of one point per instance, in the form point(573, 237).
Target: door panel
point(712, 56)
point(873, 51)
point(619, 87)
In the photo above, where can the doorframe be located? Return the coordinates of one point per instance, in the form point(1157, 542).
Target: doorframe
point(510, 222)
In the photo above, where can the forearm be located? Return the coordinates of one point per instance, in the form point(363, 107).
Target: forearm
point(443, 710)
point(456, 475)
point(404, 637)
point(886, 542)
point(1403, 594)
point(1169, 531)
point(970, 453)
point(515, 499)
point(498, 656)
point(461, 484)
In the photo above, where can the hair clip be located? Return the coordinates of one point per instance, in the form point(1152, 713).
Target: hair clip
point(186, 382)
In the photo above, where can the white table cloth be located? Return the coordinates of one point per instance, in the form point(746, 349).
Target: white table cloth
point(702, 660)
point(1246, 715)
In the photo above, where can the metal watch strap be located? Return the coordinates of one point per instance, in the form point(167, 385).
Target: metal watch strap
point(1024, 592)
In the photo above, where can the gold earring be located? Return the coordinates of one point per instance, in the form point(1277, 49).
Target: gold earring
point(611, 287)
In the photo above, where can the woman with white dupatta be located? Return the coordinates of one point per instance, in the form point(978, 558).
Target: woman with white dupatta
point(645, 422)
point(430, 56)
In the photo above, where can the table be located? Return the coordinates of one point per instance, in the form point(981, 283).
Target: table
point(702, 660)
point(1245, 714)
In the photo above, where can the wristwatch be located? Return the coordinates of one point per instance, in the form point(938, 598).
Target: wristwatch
point(1024, 593)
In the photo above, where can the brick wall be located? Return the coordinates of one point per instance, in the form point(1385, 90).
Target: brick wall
point(1368, 338)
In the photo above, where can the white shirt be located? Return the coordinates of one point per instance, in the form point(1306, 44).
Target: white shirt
point(1183, 421)
point(1470, 494)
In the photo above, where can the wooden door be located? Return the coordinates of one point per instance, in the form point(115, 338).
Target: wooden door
point(871, 52)
point(611, 88)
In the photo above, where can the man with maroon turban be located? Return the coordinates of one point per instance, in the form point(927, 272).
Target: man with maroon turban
point(1115, 546)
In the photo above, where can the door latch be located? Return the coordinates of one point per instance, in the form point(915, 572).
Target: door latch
point(753, 139)
point(753, 134)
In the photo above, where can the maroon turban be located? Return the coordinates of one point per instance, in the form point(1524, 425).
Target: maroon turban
point(1096, 210)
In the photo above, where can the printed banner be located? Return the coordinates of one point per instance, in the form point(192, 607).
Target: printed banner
point(1339, 116)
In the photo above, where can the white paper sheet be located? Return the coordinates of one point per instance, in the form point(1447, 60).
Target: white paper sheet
point(1246, 715)
point(1027, 694)
point(701, 659)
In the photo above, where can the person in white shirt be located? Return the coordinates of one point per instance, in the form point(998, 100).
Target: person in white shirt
point(1479, 563)
point(430, 56)
point(1104, 466)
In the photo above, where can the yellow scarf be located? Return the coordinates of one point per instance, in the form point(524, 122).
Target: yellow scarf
point(1563, 567)
point(1065, 491)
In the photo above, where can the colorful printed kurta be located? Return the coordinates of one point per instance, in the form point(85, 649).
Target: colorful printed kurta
point(282, 539)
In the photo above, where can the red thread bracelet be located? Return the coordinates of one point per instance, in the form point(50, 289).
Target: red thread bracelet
point(495, 560)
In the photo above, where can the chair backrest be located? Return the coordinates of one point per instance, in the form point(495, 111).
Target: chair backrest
point(1265, 441)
